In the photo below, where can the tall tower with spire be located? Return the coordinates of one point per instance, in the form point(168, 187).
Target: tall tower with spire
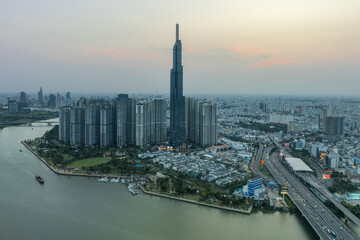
point(177, 99)
point(40, 96)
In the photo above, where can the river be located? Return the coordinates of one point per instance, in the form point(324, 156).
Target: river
point(81, 208)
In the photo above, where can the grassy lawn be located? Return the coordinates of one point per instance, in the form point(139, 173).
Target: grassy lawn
point(263, 169)
point(36, 142)
point(88, 162)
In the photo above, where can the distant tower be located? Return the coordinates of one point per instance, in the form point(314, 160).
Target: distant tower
point(40, 96)
point(23, 99)
point(177, 99)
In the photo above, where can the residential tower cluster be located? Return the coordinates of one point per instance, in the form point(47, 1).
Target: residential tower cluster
point(127, 120)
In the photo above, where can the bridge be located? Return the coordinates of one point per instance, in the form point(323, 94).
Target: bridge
point(42, 122)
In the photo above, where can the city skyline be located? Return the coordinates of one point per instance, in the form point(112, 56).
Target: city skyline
point(260, 47)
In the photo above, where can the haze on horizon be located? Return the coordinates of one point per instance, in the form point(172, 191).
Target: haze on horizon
point(235, 47)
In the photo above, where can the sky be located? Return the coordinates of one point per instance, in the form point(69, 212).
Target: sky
point(233, 46)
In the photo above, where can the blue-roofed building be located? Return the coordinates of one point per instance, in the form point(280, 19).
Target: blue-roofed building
point(356, 161)
point(253, 184)
point(272, 184)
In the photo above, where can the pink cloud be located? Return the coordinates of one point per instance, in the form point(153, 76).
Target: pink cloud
point(251, 51)
point(95, 51)
point(270, 62)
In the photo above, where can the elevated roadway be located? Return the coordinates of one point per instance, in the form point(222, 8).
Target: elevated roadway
point(314, 182)
point(256, 162)
point(322, 189)
point(322, 220)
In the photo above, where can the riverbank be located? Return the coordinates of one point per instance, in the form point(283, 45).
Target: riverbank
point(63, 172)
point(8, 120)
point(198, 203)
point(74, 202)
point(143, 190)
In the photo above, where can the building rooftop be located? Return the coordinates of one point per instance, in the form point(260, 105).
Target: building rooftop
point(298, 165)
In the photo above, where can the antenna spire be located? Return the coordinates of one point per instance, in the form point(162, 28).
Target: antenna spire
point(177, 31)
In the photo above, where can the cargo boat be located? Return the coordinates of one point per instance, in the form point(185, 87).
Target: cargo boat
point(39, 179)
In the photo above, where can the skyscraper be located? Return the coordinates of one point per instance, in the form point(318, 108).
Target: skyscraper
point(77, 125)
point(326, 112)
point(106, 125)
point(64, 124)
point(121, 107)
point(208, 123)
point(40, 96)
point(157, 120)
point(125, 120)
point(58, 100)
point(92, 123)
point(177, 99)
point(334, 126)
point(143, 123)
point(23, 102)
point(52, 101)
point(131, 120)
point(202, 122)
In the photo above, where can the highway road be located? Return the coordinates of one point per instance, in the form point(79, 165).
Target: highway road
point(313, 181)
point(255, 164)
point(323, 221)
point(322, 189)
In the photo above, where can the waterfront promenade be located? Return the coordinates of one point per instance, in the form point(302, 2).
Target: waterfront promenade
point(198, 203)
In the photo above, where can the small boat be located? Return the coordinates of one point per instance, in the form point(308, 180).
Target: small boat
point(123, 180)
point(131, 189)
point(39, 179)
point(115, 180)
point(104, 179)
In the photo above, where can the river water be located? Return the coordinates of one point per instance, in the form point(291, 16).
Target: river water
point(81, 208)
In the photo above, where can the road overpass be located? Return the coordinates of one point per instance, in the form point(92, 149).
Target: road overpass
point(313, 181)
point(256, 162)
point(322, 220)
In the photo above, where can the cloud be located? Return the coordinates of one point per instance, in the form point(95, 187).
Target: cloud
point(251, 51)
point(270, 63)
point(95, 51)
point(123, 53)
point(239, 57)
